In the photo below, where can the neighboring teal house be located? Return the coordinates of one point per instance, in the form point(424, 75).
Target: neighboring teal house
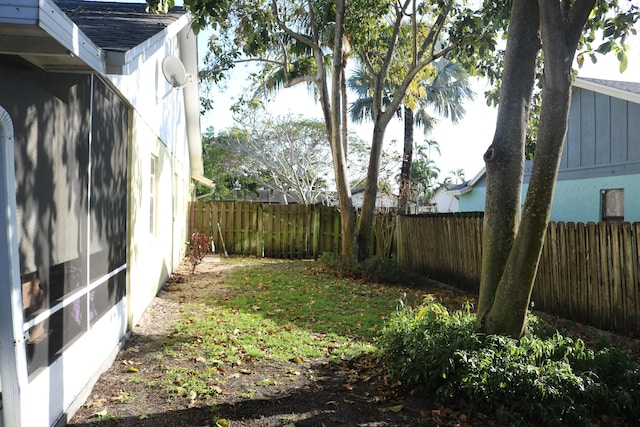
point(599, 176)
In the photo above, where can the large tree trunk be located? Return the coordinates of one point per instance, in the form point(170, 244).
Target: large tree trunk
point(347, 215)
point(560, 34)
point(509, 311)
point(370, 192)
point(331, 102)
point(505, 157)
point(407, 158)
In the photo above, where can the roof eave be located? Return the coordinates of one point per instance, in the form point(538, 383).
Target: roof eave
point(469, 185)
point(40, 32)
point(56, 23)
point(126, 62)
point(607, 90)
point(459, 191)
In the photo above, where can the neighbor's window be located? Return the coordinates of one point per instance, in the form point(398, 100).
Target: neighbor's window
point(153, 194)
point(613, 205)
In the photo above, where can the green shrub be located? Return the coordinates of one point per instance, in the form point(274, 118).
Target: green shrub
point(340, 266)
point(382, 270)
point(553, 380)
point(374, 269)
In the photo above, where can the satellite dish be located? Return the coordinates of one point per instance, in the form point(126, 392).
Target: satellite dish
point(174, 72)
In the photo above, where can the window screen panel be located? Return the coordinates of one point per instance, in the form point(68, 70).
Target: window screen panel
point(51, 125)
point(106, 295)
point(108, 182)
point(48, 339)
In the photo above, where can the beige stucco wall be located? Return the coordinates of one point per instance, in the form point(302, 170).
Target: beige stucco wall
point(153, 256)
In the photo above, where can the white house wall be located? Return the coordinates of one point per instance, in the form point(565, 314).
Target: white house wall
point(446, 203)
point(158, 105)
point(153, 256)
point(159, 130)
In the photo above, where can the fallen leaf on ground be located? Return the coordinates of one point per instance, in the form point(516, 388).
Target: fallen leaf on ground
point(396, 408)
point(101, 414)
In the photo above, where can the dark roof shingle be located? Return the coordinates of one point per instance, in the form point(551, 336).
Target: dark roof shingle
point(117, 26)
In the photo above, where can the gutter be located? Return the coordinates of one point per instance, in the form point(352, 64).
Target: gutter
point(188, 55)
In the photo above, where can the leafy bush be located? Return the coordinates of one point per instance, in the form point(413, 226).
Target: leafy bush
point(199, 246)
point(382, 270)
point(342, 267)
point(555, 380)
point(374, 269)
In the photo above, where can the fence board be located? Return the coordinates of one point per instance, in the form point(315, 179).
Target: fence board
point(617, 302)
point(555, 256)
point(540, 295)
point(572, 271)
point(636, 275)
point(603, 291)
point(594, 275)
point(582, 256)
point(630, 294)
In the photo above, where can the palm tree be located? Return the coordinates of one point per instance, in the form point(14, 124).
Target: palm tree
point(458, 175)
point(444, 95)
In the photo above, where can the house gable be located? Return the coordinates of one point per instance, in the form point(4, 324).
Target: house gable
point(603, 136)
point(601, 153)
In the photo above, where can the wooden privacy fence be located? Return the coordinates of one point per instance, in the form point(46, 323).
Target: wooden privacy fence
point(591, 273)
point(446, 248)
point(281, 231)
point(588, 272)
point(275, 231)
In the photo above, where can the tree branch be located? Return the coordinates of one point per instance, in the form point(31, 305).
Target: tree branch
point(575, 21)
point(297, 36)
point(301, 79)
point(433, 33)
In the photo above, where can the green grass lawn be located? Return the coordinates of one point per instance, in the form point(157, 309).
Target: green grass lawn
point(283, 311)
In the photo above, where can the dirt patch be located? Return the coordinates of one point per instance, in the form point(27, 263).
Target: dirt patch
point(309, 393)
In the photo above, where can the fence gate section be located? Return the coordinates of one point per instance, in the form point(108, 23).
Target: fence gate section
point(275, 231)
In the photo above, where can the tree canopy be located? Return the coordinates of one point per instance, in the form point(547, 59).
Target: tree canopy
point(312, 41)
point(286, 155)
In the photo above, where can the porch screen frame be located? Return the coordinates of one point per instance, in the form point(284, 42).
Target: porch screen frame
point(13, 358)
